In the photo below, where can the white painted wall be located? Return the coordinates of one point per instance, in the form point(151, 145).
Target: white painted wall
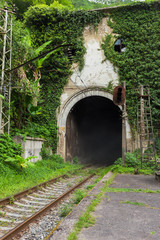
point(95, 74)
point(95, 71)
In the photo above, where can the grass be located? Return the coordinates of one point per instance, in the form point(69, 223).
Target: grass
point(79, 194)
point(130, 170)
point(132, 162)
point(110, 189)
point(89, 187)
point(139, 204)
point(13, 180)
point(65, 210)
point(134, 203)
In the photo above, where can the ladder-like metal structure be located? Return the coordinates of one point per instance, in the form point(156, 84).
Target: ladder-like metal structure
point(145, 133)
point(5, 66)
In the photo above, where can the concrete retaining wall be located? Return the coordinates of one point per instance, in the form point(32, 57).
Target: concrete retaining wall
point(32, 147)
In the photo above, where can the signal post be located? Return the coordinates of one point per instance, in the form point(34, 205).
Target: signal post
point(124, 142)
point(119, 99)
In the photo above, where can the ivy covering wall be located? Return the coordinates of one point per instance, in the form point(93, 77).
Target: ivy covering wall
point(139, 26)
point(46, 27)
point(47, 23)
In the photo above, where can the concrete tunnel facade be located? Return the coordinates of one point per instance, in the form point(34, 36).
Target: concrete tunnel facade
point(89, 124)
point(90, 128)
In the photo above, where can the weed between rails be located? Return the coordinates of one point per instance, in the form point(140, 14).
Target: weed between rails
point(66, 209)
point(79, 194)
point(3, 214)
point(3, 224)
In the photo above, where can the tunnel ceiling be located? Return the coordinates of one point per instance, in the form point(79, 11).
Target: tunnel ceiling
point(93, 131)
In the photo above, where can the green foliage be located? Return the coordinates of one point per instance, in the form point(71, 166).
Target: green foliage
point(130, 161)
point(11, 200)
point(75, 160)
point(12, 180)
point(85, 4)
point(138, 25)
point(62, 5)
point(45, 153)
point(78, 196)
point(23, 5)
point(89, 187)
point(65, 2)
point(22, 49)
point(2, 97)
point(135, 203)
point(8, 148)
point(19, 160)
point(133, 162)
point(110, 189)
point(65, 210)
point(49, 24)
point(26, 88)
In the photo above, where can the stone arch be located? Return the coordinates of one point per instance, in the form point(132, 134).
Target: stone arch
point(76, 98)
point(67, 107)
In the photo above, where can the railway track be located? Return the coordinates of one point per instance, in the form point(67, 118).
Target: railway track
point(35, 188)
point(31, 205)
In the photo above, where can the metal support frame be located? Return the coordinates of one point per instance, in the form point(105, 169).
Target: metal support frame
point(5, 65)
point(145, 133)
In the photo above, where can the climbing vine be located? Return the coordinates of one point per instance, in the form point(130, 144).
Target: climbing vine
point(138, 25)
point(60, 27)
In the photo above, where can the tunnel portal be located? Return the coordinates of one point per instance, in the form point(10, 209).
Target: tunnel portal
point(94, 131)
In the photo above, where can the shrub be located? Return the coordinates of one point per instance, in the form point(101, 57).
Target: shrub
point(8, 148)
point(133, 162)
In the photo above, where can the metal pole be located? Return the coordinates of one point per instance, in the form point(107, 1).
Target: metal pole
point(6, 61)
point(3, 67)
point(124, 142)
point(10, 79)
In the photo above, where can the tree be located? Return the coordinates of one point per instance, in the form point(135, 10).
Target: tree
point(85, 4)
point(23, 5)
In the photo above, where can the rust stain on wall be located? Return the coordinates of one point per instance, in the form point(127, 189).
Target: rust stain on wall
point(63, 129)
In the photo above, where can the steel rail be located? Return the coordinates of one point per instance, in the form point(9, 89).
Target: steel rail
point(24, 224)
point(16, 196)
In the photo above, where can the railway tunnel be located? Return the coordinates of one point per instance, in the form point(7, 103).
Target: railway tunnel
point(94, 131)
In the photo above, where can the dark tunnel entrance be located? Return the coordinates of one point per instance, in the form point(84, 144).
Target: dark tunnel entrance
point(94, 131)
